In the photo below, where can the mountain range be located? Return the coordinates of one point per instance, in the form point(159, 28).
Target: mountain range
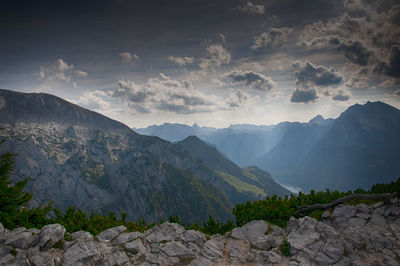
point(355, 150)
point(77, 157)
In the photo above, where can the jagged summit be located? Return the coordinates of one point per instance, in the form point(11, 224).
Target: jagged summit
point(317, 120)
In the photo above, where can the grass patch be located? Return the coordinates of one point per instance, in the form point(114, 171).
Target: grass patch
point(285, 248)
point(241, 186)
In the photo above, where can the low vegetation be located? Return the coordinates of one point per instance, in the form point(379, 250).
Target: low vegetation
point(14, 211)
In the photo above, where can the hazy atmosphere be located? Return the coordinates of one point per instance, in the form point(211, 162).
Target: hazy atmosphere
point(214, 63)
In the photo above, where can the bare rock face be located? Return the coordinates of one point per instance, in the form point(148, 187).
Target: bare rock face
point(335, 240)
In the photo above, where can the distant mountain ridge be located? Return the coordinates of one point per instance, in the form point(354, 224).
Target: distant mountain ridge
point(357, 149)
point(74, 160)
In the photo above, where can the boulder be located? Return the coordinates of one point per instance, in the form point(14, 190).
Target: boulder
point(127, 237)
point(110, 234)
point(177, 249)
point(50, 235)
point(164, 232)
point(21, 238)
point(135, 246)
point(251, 230)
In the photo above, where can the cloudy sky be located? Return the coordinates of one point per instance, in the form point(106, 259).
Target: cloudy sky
point(211, 62)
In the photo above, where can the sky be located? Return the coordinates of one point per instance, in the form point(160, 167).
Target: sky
point(209, 62)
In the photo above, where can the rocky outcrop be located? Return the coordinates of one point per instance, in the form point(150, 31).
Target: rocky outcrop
point(346, 235)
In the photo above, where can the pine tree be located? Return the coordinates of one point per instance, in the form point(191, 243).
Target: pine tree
point(12, 196)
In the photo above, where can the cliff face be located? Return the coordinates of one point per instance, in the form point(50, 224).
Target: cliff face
point(101, 171)
point(348, 235)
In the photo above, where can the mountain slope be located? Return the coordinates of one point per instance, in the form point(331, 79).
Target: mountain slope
point(252, 180)
point(360, 149)
point(73, 160)
point(293, 147)
point(240, 143)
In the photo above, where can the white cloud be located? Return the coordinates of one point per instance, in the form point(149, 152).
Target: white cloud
point(240, 98)
point(61, 71)
point(181, 61)
point(250, 8)
point(217, 56)
point(166, 94)
point(94, 100)
point(275, 37)
point(128, 57)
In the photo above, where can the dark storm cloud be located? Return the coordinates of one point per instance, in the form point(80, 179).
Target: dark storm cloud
point(311, 78)
point(303, 96)
point(275, 37)
point(250, 79)
point(250, 8)
point(309, 75)
point(354, 51)
point(367, 36)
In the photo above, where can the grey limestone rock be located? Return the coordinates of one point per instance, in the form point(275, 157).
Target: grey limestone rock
point(251, 230)
point(213, 249)
point(344, 211)
point(110, 234)
point(116, 258)
point(164, 232)
point(135, 246)
point(127, 237)
point(21, 238)
point(82, 236)
point(177, 249)
point(50, 235)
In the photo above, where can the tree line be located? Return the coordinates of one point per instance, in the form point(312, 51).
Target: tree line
point(276, 210)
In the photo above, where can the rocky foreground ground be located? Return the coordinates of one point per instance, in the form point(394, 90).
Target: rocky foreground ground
point(347, 235)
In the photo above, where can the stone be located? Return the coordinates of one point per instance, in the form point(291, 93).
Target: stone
point(193, 236)
point(334, 250)
point(266, 242)
point(136, 246)
point(377, 220)
point(356, 239)
point(363, 208)
point(43, 258)
point(110, 234)
point(344, 211)
point(379, 241)
point(213, 249)
point(177, 249)
point(292, 224)
point(21, 238)
point(304, 235)
point(363, 215)
point(394, 211)
point(326, 231)
point(50, 235)
point(164, 232)
point(170, 261)
point(251, 230)
point(356, 222)
point(82, 253)
point(5, 250)
point(127, 237)
point(274, 257)
point(82, 236)
point(116, 258)
point(200, 261)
